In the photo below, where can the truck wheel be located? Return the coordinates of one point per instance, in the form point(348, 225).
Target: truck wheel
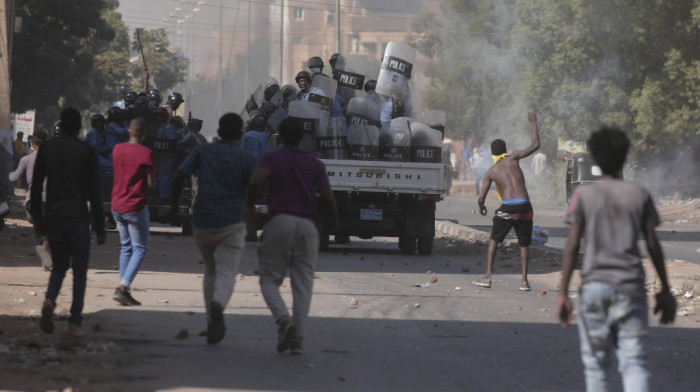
point(342, 239)
point(187, 228)
point(407, 244)
point(425, 245)
point(324, 241)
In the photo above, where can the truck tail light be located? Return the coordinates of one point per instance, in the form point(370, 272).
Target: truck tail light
point(429, 197)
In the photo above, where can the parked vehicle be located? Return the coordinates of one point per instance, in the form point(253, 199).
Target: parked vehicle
point(580, 170)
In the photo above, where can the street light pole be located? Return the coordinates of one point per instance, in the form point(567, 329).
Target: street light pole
point(337, 26)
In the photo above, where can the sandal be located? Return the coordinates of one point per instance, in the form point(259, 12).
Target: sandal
point(524, 286)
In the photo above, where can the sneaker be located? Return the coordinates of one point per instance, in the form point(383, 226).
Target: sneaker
point(46, 314)
point(297, 348)
point(524, 286)
point(286, 334)
point(483, 282)
point(125, 298)
point(216, 328)
point(76, 332)
point(45, 256)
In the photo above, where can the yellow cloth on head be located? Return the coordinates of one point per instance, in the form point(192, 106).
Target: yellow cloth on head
point(496, 159)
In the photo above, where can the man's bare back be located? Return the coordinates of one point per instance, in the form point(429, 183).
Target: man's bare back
point(507, 174)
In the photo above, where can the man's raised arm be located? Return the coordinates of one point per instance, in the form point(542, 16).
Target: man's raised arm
point(535, 139)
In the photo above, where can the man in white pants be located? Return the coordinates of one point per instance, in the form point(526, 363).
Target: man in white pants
point(290, 237)
point(225, 170)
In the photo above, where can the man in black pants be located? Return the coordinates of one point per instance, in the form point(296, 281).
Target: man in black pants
point(73, 180)
point(516, 210)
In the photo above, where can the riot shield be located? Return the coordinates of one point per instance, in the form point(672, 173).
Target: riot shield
point(363, 111)
point(331, 143)
point(252, 103)
point(426, 144)
point(309, 113)
point(433, 118)
point(363, 142)
point(397, 66)
point(322, 91)
point(395, 141)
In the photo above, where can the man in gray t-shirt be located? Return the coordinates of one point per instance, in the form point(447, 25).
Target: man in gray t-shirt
point(613, 311)
point(614, 215)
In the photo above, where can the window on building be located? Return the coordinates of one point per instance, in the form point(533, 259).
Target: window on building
point(299, 13)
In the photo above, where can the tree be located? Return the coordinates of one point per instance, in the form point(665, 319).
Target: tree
point(76, 53)
point(52, 63)
point(166, 68)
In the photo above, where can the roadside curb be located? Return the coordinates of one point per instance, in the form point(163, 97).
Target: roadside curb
point(468, 234)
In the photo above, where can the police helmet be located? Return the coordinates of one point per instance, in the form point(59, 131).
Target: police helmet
point(315, 62)
point(178, 122)
point(303, 74)
point(142, 101)
point(130, 98)
point(175, 99)
point(163, 112)
point(257, 123)
point(56, 129)
point(337, 61)
point(270, 90)
point(123, 89)
point(371, 85)
point(97, 121)
point(113, 112)
point(155, 97)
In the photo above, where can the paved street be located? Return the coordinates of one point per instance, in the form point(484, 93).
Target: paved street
point(372, 326)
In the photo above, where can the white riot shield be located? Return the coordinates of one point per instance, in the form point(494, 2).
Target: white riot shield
point(395, 141)
point(309, 113)
point(396, 70)
point(322, 91)
point(252, 103)
point(433, 118)
point(426, 144)
point(363, 111)
point(331, 142)
point(363, 142)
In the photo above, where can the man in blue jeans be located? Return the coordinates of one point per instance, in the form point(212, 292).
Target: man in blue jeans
point(73, 179)
point(133, 176)
point(613, 314)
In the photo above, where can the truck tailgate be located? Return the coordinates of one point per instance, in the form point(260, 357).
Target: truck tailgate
point(381, 176)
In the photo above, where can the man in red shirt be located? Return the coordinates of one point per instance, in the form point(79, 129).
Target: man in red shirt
point(133, 175)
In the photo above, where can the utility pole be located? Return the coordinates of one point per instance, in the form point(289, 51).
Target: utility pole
point(7, 22)
point(247, 54)
point(221, 55)
point(337, 26)
point(281, 41)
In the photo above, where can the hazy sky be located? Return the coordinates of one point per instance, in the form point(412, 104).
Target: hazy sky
point(198, 35)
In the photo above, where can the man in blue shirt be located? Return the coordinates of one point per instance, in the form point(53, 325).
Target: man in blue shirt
point(255, 139)
point(225, 170)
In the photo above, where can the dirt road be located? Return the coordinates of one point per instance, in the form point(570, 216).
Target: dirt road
point(379, 322)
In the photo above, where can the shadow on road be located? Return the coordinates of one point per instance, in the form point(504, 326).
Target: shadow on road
point(137, 350)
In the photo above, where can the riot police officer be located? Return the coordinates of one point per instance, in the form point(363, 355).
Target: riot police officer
point(155, 98)
point(175, 100)
point(303, 80)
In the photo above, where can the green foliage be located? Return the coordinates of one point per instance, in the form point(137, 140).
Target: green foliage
point(577, 64)
point(167, 68)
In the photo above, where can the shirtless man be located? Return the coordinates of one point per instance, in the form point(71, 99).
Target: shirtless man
point(516, 210)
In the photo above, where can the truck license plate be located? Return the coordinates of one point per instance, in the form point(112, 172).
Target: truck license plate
point(370, 214)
